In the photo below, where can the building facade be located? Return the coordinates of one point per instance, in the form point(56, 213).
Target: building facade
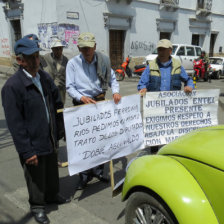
point(121, 27)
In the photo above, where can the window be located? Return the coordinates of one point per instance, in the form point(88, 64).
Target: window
point(195, 39)
point(198, 51)
point(190, 51)
point(165, 35)
point(181, 51)
point(174, 49)
point(200, 4)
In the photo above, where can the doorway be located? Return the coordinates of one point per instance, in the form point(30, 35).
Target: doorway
point(116, 38)
point(15, 30)
point(212, 44)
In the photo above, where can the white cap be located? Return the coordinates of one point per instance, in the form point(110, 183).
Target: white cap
point(56, 43)
point(164, 43)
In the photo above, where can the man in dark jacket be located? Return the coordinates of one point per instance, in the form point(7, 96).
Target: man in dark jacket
point(30, 100)
point(34, 38)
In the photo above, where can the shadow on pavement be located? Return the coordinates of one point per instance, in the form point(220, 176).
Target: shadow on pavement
point(25, 219)
point(5, 136)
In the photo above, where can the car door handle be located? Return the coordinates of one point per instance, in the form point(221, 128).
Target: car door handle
point(190, 59)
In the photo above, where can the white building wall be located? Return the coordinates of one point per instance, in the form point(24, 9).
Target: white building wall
point(5, 44)
point(142, 35)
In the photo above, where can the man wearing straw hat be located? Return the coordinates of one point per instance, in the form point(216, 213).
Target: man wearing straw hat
point(88, 76)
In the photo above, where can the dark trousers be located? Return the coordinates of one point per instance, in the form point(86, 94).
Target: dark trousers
point(42, 181)
point(87, 175)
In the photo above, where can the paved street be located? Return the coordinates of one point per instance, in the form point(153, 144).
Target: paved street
point(94, 205)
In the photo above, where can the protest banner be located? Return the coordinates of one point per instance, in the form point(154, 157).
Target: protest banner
point(168, 115)
point(97, 133)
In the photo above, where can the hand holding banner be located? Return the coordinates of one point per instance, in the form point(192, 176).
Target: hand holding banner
point(97, 133)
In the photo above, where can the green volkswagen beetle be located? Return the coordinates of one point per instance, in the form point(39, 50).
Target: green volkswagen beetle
point(183, 183)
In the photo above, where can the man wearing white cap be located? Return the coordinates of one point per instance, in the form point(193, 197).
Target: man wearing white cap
point(164, 74)
point(56, 65)
point(88, 76)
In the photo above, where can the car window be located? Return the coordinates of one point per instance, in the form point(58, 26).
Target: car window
point(219, 61)
point(198, 51)
point(174, 49)
point(216, 61)
point(190, 51)
point(181, 51)
point(155, 51)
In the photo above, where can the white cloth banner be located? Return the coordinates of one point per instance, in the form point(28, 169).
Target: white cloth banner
point(97, 133)
point(168, 115)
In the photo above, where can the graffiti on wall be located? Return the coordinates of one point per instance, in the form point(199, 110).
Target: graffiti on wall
point(145, 46)
point(68, 33)
point(5, 46)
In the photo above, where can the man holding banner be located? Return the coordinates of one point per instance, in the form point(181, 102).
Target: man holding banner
point(164, 73)
point(88, 76)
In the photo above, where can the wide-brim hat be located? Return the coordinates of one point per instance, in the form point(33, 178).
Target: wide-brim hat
point(86, 40)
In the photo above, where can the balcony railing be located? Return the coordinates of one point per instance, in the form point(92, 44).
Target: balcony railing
point(204, 8)
point(169, 4)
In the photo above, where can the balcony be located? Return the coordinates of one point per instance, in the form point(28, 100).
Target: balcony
point(169, 5)
point(13, 9)
point(204, 8)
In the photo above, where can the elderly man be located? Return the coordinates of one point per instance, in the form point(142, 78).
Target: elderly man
point(56, 65)
point(164, 73)
point(88, 76)
point(30, 100)
point(34, 38)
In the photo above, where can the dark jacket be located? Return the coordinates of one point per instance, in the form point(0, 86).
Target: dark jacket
point(26, 117)
point(103, 70)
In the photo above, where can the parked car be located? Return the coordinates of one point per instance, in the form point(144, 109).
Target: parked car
point(183, 183)
point(217, 67)
point(183, 52)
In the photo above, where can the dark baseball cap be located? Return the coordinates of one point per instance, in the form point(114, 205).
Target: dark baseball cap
point(32, 37)
point(26, 46)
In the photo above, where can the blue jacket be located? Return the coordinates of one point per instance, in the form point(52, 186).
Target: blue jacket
point(158, 77)
point(26, 116)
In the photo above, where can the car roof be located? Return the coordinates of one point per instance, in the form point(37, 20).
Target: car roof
point(205, 145)
point(186, 45)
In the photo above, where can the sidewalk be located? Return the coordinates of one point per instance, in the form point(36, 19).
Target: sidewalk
point(6, 71)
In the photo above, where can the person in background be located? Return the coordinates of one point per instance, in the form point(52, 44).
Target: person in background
point(30, 100)
point(88, 76)
point(56, 66)
point(205, 60)
point(164, 74)
point(37, 41)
